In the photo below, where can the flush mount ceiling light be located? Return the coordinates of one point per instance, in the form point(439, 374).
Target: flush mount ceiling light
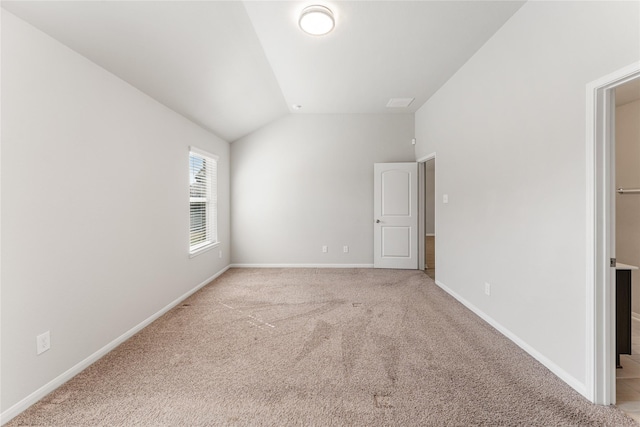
point(316, 20)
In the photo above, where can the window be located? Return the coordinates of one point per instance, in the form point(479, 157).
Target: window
point(203, 201)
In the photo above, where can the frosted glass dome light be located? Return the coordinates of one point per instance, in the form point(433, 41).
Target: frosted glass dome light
point(316, 20)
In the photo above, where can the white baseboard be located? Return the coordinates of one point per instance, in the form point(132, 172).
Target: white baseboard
point(635, 316)
point(25, 403)
point(301, 266)
point(558, 371)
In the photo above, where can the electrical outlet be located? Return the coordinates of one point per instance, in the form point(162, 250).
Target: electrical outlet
point(325, 249)
point(43, 342)
point(487, 288)
point(345, 249)
point(220, 254)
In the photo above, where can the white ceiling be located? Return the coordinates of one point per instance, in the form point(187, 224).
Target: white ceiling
point(234, 66)
point(377, 51)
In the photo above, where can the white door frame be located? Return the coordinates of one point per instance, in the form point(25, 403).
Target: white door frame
point(600, 168)
point(422, 208)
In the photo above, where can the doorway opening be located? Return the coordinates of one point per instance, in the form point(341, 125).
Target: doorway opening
point(601, 232)
point(427, 217)
point(627, 245)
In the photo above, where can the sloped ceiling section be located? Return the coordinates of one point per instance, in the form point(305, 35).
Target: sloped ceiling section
point(234, 66)
point(378, 50)
point(201, 59)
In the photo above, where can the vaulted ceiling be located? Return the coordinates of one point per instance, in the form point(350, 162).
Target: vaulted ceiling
point(234, 66)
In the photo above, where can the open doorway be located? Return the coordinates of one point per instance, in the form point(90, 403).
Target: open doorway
point(430, 218)
point(427, 214)
point(601, 232)
point(627, 245)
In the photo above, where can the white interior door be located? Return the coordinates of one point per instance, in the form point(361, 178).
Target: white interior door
point(395, 215)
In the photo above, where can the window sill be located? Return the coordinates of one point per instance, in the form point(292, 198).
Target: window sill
point(203, 249)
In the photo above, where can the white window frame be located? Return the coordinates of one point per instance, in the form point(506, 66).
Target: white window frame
point(211, 201)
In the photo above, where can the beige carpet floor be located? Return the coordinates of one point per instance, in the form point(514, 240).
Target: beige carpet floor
point(318, 347)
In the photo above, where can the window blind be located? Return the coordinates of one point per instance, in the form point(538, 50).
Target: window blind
point(203, 203)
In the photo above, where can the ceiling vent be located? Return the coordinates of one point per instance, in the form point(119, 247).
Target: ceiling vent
point(399, 102)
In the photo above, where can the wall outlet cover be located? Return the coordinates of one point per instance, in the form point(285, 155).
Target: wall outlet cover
point(43, 342)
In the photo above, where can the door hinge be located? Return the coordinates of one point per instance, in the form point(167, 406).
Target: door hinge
point(612, 262)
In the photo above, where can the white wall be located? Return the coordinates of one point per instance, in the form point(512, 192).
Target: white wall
point(95, 212)
point(509, 132)
point(628, 205)
point(306, 181)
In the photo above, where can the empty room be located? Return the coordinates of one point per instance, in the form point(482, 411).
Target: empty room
point(347, 213)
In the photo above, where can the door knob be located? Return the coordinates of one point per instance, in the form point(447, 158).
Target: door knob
point(377, 221)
